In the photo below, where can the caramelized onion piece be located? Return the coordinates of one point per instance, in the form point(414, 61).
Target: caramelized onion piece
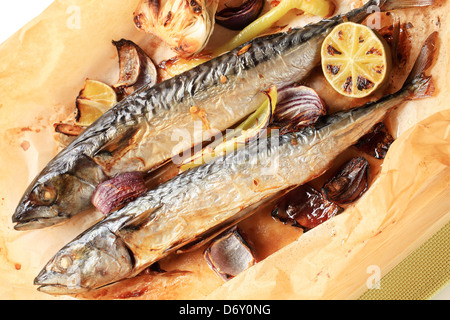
point(136, 68)
point(305, 207)
point(72, 130)
point(112, 194)
point(237, 18)
point(297, 107)
point(229, 254)
point(376, 143)
point(349, 183)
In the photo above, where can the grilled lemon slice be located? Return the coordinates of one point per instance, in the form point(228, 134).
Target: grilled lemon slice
point(356, 61)
point(94, 99)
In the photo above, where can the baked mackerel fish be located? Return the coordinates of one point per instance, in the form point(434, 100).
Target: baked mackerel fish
point(141, 132)
point(200, 203)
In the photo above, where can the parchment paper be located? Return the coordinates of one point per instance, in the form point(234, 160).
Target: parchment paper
point(42, 69)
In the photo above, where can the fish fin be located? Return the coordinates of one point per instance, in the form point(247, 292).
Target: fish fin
point(418, 84)
point(425, 58)
point(424, 87)
point(114, 149)
point(402, 4)
point(138, 222)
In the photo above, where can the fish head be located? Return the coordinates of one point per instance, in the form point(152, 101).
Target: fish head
point(95, 259)
point(51, 200)
point(57, 194)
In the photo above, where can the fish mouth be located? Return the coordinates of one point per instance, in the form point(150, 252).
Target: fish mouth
point(59, 289)
point(55, 284)
point(28, 217)
point(36, 223)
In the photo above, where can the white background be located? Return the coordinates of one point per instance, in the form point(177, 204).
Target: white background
point(16, 13)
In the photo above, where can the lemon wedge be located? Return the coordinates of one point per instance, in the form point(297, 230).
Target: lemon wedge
point(94, 99)
point(356, 61)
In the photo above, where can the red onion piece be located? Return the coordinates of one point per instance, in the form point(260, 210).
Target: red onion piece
point(237, 18)
point(297, 107)
point(111, 194)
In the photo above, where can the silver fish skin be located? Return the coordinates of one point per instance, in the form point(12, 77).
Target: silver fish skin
point(141, 132)
point(204, 201)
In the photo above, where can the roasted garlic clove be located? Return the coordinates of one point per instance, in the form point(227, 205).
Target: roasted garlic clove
point(184, 25)
point(229, 254)
point(136, 68)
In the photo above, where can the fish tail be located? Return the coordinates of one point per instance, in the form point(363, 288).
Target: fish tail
point(403, 4)
point(418, 84)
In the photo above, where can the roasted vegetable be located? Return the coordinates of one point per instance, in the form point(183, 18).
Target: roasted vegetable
point(184, 25)
point(322, 8)
point(237, 18)
point(255, 29)
point(349, 183)
point(376, 143)
point(136, 68)
point(111, 194)
point(297, 107)
point(229, 254)
point(305, 207)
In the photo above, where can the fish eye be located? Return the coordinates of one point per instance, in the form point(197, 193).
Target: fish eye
point(64, 263)
point(43, 195)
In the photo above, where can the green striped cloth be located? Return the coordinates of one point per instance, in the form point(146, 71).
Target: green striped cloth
point(421, 275)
